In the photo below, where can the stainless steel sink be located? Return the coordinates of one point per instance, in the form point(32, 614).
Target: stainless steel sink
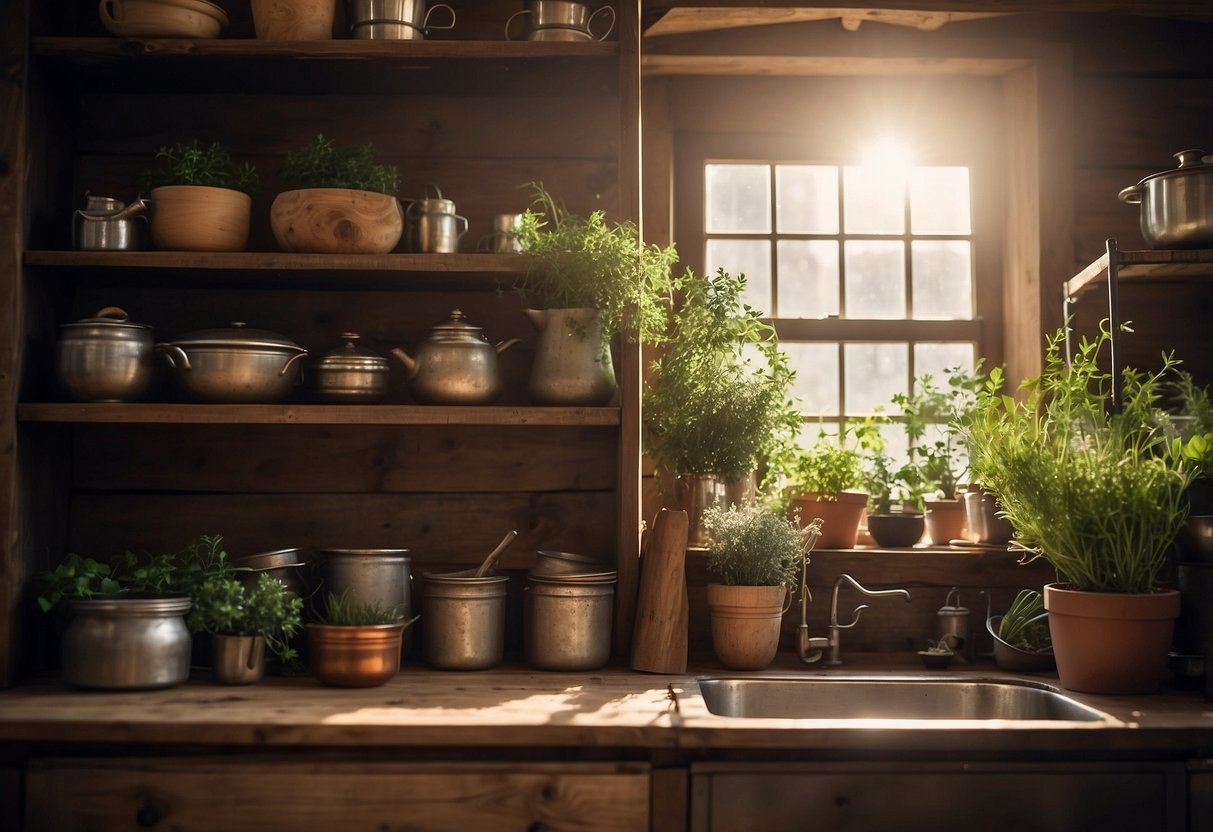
point(884, 697)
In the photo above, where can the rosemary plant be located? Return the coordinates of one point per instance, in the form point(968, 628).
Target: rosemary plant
point(193, 163)
point(326, 164)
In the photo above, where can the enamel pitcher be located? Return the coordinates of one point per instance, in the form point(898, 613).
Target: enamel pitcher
point(572, 360)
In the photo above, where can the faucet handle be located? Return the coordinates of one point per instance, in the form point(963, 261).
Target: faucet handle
point(854, 620)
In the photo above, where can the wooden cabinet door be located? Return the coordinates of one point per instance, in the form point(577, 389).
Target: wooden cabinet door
point(76, 795)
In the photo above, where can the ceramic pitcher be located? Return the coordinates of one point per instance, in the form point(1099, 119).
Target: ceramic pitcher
point(572, 361)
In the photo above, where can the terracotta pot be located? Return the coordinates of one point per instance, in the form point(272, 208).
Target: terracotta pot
point(745, 624)
point(895, 531)
point(355, 657)
point(946, 521)
point(336, 221)
point(199, 218)
point(1114, 643)
point(840, 514)
point(294, 19)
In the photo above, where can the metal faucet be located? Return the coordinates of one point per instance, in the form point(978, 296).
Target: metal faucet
point(810, 649)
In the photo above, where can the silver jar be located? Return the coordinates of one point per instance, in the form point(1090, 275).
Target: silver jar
point(105, 358)
point(377, 577)
point(351, 374)
point(567, 621)
point(463, 621)
point(235, 364)
point(127, 642)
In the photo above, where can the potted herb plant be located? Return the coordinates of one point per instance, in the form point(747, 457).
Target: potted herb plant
point(594, 280)
point(341, 201)
point(200, 198)
point(242, 619)
point(895, 518)
point(1021, 635)
point(932, 415)
point(827, 479)
point(1099, 493)
point(716, 403)
point(754, 559)
point(356, 644)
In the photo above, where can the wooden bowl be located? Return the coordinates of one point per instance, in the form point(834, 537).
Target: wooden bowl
point(336, 221)
point(199, 218)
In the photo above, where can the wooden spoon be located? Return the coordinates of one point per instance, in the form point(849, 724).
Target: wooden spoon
point(493, 555)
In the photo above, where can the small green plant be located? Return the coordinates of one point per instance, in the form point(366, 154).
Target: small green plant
point(834, 463)
point(1095, 491)
point(326, 164)
point(717, 401)
point(193, 163)
point(939, 648)
point(587, 262)
point(1025, 625)
point(753, 545)
point(344, 611)
point(224, 605)
point(892, 488)
point(932, 416)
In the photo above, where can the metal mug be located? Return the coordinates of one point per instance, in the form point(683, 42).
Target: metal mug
point(568, 20)
point(395, 19)
point(504, 237)
point(238, 660)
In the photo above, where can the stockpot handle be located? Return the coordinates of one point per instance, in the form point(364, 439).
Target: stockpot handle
point(589, 24)
point(425, 22)
point(176, 357)
point(1131, 195)
point(507, 23)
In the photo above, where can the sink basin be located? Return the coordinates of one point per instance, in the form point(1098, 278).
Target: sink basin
point(884, 697)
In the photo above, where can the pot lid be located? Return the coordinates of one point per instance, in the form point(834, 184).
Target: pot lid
point(238, 335)
point(111, 318)
point(456, 328)
point(1190, 161)
point(351, 356)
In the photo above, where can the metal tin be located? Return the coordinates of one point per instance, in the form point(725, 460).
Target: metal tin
point(463, 621)
point(351, 374)
point(567, 623)
point(105, 358)
point(238, 660)
point(127, 642)
point(378, 577)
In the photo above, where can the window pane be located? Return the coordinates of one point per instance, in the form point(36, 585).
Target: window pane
point(943, 279)
point(738, 199)
point(806, 199)
point(939, 200)
point(808, 278)
point(816, 384)
point(896, 443)
point(751, 258)
point(936, 358)
point(875, 278)
point(873, 201)
point(874, 372)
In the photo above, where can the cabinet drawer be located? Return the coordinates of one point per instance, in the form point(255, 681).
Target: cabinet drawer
point(63, 795)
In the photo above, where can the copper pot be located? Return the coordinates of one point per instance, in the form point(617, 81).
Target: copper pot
point(355, 657)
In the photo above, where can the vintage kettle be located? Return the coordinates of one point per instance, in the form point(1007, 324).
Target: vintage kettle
point(431, 224)
point(455, 365)
point(107, 224)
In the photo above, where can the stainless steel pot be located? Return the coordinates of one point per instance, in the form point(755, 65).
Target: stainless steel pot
point(455, 365)
point(567, 623)
point(378, 577)
point(287, 566)
point(351, 374)
point(127, 642)
point(235, 364)
point(1177, 205)
point(105, 358)
point(463, 621)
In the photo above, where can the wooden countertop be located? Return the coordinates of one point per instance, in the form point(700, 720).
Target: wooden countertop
point(611, 708)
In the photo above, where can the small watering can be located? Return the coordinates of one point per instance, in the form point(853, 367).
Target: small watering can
point(107, 224)
point(431, 224)
point(456, 365)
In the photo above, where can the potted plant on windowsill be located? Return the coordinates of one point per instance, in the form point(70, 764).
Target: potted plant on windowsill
point(754, 557)
point(242, 620)
point(200, 198)
point(594, 279)
point(827, 480)
point(341, 202)
point(895, 518)
point(1098, 493)
point(716, 403)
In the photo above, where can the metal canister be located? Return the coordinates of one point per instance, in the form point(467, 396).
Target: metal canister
point(567, 621)
point(954, 627)
point(463, 621)
point(127, 642)
point(431, 224)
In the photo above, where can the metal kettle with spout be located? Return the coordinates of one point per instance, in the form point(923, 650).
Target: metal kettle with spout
point(455, 365)
point(107, 224)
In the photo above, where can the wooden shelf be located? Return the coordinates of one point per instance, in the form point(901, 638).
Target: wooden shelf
point(1188, 266)
point(313, 414)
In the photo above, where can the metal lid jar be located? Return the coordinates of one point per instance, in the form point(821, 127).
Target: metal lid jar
point(351, 374)
point(568, 620)
point(127, 642)
point(105, 358)
point(463, 621)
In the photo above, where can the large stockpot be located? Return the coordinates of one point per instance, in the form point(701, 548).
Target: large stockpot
point(567, 622)
point(127, 642)
point(463, 621)
point(235, 364)
point(105, 358)
point(1176, 205)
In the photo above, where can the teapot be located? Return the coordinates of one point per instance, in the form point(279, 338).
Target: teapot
point(107, 224)
point(455, 365)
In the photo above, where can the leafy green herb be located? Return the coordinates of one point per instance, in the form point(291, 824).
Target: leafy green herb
point(344, 611)
point(224, 605)
point(1025, 625)
point(325, 164)
point(1096, 492)
point(834, 463)
point(193, 163)
point(717, 402)
point(586, 262)
point(932, 416)
point(752, 545)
